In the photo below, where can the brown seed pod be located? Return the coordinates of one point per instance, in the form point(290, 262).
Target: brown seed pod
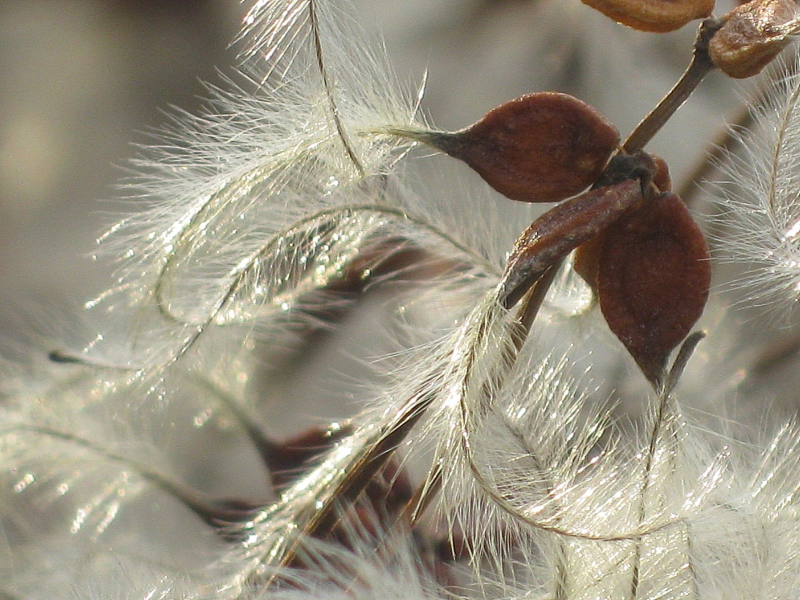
point(653, 280)
point(541, 147)
point(587, 260)
point(587, 257)
point(648, 169)
point(560, 230)
point(753, 34)
point(653, 15)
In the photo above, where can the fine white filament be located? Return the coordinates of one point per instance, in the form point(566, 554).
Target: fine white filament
point(138, 466)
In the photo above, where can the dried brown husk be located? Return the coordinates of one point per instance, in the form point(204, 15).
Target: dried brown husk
point(657, 16)
point(541, 147)
point(560, 230)
point(753, 35)
point(649, 169)
point(653, 280)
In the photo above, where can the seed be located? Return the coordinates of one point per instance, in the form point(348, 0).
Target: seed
point(653, 279)
point(542, 147)
point(754, 34)
point(653, 15)
point(560, 230)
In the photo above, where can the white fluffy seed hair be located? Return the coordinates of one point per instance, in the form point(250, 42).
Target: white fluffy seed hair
point(255, 209)
point(553, 498)
point(760, 199)
point(372, 563)
point(267, 196)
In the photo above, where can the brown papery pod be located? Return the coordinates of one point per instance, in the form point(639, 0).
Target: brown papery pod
point(650, 170)
point(653, 15)
point(653, 280)
point(560, 230)
point(587, 260)
point(541, 147)
point(753, 34)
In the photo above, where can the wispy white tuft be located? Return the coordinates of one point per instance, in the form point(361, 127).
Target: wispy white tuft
point(372, 564)
point(761, 206)
point(531, 475)
point(552, 496)
point(271, 193)
point(265, 217)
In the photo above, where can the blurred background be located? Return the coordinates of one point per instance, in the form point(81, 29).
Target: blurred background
point(80, 82)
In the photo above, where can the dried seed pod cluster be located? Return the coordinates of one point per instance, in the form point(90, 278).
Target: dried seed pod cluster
point(651, 272)
point(639, 247)
point(653, 15)
point(650, 268)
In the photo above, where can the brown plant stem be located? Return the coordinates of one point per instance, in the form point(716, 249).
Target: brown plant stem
point(700, 66)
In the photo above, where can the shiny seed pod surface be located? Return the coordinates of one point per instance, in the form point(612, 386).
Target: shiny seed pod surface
point(542, 147)
point(658, 16)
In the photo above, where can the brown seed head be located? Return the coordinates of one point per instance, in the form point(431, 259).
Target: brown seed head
point(753, 34)
point(649, 170)
point(653, 15)
point(560, 230)
point(541, 147)
point(653, 280)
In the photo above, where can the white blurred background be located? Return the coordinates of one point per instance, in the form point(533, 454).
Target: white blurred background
point(80, 81)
